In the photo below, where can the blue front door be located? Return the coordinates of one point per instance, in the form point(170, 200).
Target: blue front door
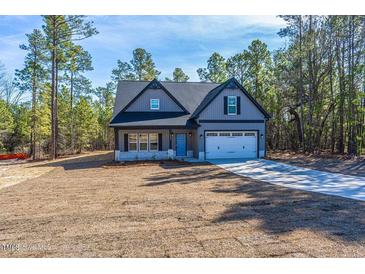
point(181, 144)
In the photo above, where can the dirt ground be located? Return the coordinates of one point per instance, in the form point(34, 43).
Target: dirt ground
point(13, 172)
point(324, 162)
point(87, 208)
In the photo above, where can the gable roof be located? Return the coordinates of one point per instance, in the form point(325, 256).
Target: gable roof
point(126, 91)
point(188, 94)
point(231, 83)
point(191, 97)
point(154, 84)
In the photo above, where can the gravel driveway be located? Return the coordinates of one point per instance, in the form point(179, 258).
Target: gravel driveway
point(87, 208)
point(297, 177)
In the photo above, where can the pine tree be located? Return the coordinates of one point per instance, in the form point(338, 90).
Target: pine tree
point(59, 31)
point(179, 75)
point(77, 61)
point(86, 120)
point(32, 76)
point(143, 66)
point(215, 71)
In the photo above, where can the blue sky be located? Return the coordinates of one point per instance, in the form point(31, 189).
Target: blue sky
point(173, 41)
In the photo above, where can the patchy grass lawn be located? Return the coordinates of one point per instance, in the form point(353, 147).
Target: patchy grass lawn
point(325, 162)
point(87, 208)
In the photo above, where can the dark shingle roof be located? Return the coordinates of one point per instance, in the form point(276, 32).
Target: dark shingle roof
point(163, 119)
point(193, 96)
point(231, 83)
point(189, 94)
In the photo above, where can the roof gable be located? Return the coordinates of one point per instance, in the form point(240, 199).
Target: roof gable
point(126, 91)
point(230, 84)
point(154, 84)
point(191, 97)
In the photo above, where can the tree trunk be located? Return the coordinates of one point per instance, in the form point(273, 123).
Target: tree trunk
point(333, 120)
point(53, 101)
point(340, 66)
point(310, 89)
point(352, 95)
point(56, 111)
point(298, 124)
point(72, 115)
point(34, 114)
point(301, 87)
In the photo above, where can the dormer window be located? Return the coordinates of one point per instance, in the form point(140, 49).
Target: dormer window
point(155, 104)
point(232, 105)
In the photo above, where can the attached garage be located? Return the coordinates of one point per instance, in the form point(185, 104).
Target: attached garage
point(231, 144)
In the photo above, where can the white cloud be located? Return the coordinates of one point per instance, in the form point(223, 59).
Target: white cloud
point(174, 41)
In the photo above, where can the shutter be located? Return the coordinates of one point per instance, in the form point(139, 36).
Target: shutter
point(225, 105)
point(126, 142)
point(160, 141)
point(238, 105)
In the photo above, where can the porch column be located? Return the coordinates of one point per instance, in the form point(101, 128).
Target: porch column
point(116, 144)
point(170, 139)
point(170, 152)
point(116, 139)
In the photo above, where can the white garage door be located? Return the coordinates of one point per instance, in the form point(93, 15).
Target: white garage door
point(235, 144)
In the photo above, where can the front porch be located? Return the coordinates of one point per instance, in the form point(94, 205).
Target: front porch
point(155, 144)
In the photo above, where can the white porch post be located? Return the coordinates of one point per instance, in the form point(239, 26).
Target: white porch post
point(116, 144)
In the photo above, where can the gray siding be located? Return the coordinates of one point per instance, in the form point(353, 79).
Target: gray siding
point(189, 139)
point(143, 102)
point(215, 110)
point(191, 144)
point(165, 136)
point(231, 126)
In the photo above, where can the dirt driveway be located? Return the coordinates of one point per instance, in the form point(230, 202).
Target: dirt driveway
point(83, 208)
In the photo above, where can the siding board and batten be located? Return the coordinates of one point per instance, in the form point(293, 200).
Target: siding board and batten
point(142, 104)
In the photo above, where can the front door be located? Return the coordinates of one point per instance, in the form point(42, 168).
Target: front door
point(180, 144)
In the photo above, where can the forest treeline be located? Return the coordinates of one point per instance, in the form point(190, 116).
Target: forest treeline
point(314, 87)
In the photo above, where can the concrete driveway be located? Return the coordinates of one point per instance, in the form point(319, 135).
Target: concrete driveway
point(297, 177)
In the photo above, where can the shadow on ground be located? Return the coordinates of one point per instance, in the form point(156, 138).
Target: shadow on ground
point(277, 209)
point(283, 210)
point(331, 164)
point(82, 162)
point(188, 176)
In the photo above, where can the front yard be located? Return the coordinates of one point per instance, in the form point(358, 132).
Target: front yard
point(87, 208)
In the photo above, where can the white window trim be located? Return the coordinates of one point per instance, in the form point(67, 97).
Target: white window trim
point(149, 142)
point(235, 105)
point(139, 143)
point(158, 104)
point(136, 142)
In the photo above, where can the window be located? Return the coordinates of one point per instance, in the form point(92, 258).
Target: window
point(232, 105)
point(237, 133)
point(225, 134)
point(132, 142)
point(250, 134)
point(153, 141)
point(212, 134)
point(155, 104)
point(143, 142)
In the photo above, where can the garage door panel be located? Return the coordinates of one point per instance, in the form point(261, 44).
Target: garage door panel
point(221, 145)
